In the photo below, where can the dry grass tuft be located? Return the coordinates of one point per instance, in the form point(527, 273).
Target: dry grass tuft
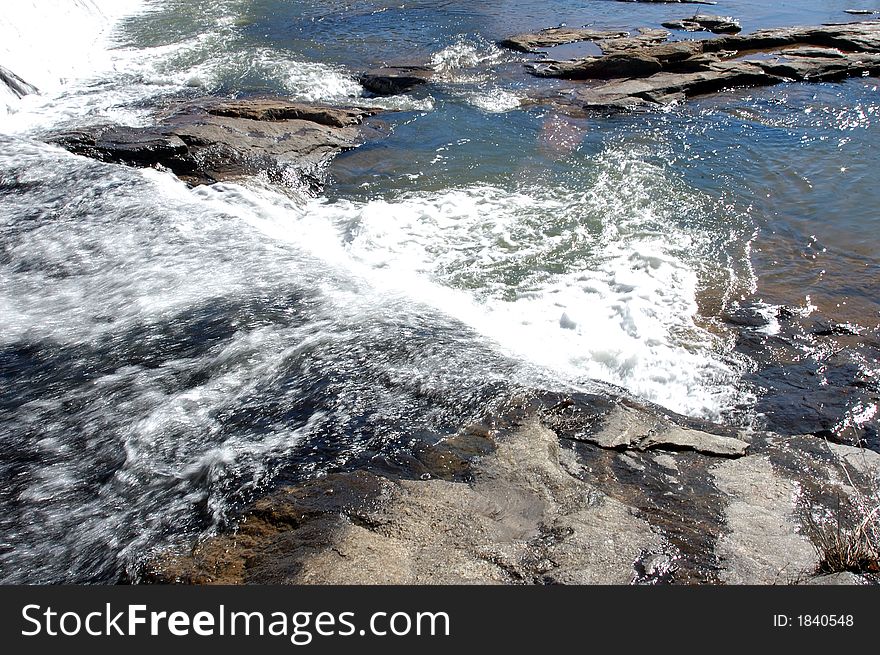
point(850, 539)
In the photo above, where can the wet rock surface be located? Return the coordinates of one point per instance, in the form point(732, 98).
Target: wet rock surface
point(209, 141)
point(553, 36)
point(537, 503)
point(393, 80)
point(645, 70)
point(705, 23)
point(524, 518)
point(811, 375)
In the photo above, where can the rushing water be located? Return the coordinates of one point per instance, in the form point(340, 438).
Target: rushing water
point(166, 352)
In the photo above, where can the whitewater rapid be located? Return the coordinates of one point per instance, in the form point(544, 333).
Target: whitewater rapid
point(171, 350)
point(622, 311)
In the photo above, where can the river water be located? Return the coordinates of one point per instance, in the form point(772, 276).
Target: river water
point(166, 353)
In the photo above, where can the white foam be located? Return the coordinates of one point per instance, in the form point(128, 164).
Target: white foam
point(62, 47)
point(456, 63)
point(769, 313)
point(50, 42)
point(598, 283)
point(494, 100)
point(580, 286)
point(469, 62)
point(83, 75)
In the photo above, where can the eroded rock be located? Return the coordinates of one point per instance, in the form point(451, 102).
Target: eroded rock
point(640, 72)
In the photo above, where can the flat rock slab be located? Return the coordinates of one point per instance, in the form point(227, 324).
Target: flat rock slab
point(635, 74)
point(553, 36)
point(212, 141)
point(524, 518)
point(275, 109)
point(763, 544)
point(628, 428)
point(613, 66)
point(607, 40)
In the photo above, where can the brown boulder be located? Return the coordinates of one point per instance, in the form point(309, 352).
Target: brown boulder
point(212, 141)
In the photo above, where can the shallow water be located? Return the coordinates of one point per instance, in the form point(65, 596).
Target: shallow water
point(166, 352)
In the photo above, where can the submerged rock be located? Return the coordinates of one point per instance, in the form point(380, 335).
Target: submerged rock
point(212, 141)
point(393, 80)
point(704, 23)
point(811, 375)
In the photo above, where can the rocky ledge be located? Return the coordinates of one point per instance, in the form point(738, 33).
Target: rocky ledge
point(213, 140)
point(576, 489)
point(647, 70)
point(554, 36)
